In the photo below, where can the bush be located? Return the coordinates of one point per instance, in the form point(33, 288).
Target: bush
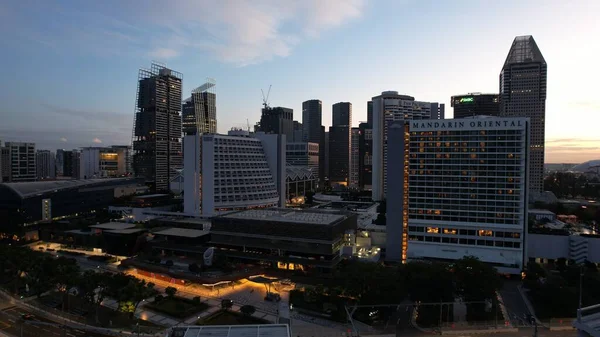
point(247, 310)
point(194, 268)
point(226, 304)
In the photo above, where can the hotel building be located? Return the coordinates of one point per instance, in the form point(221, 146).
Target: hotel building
point(460, 190)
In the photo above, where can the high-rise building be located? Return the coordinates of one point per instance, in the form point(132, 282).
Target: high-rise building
point(297, 132)
point(365, 156)
point(370, 113)
point(233, 172)
point(277, 120)
point(45, 165)
point(314, 132)
point(387, 108)
point(59, 159)
point(4, 164)
point(157, 127)
point(76, 165)
point(324, 159)
point(339, 144)
point(459, 188)
point(304, 154)
point(523, 94)
point(22, 161)
point(475, 104)
point(68, 164)
point(199, 111)
point(354, 153)
point(124, 165)
point(104, 162)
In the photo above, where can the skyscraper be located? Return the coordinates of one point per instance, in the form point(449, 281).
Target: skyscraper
point(59, 162)
point(354, 153)
point(387, 108)
point(523, 94)
point(277, 120)
point(45, 164)
point(365, 156)
point(199, 111)
point(339, 144)
point(475, 104)
point(313, 130)
point(459, 188)
point(157, 126)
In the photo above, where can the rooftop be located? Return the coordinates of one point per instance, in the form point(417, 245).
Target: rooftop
point(541, 211)
point(262, 330)
point(524, 50)
point(149, 196)
point(182, 232)
point(113, 225)
point(288, 215)
point(28, 189)
point(125, 231)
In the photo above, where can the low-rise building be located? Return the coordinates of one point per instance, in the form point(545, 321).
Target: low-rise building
point(283, 238)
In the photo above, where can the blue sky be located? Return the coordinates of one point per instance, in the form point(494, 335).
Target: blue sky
point(71, 66)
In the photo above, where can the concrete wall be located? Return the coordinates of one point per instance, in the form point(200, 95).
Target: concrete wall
point(547, 246)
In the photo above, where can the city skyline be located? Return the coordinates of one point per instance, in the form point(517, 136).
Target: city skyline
point(77, 62)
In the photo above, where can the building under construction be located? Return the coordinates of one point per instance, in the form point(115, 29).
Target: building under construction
point(157, 126)
point(200, 110)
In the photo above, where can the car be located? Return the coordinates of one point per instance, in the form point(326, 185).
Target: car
point(27, 317)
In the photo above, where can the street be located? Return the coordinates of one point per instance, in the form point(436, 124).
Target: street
point(10, 323)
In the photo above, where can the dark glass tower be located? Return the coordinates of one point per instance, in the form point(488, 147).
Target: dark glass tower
point(278, 120)
point(475, 104)
point(313, 130)
point(523, 94)
point(157, 127)
point(339, 144)
point(199, 111)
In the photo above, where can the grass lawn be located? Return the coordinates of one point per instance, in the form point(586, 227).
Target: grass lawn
point(225, 317)
point(177, 307)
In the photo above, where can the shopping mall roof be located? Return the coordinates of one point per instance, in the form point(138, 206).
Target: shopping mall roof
point(29, 189)
point(262, 330)
point(125, 231)
point(113, 225)
point(311, 216)
point(182, 232)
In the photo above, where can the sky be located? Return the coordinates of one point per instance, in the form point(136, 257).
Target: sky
point(71, 66)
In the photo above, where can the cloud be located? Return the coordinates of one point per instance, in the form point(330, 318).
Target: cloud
point(239, 32)
point(97, 140)
point(63, 139)
point(163, 53)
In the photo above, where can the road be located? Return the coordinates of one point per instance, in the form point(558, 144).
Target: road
point(513, 301)
point(10, 323)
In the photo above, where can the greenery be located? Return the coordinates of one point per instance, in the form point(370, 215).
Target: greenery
point(177, 307)
point(226, 304)
point(225, 317)
point(555, 293)
point(570, 185)
point(248, 310)
point(21, 267)
point(369, 283)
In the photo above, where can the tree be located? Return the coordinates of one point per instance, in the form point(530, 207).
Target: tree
point(93, 288)
point(309, 197)
point(133, 293)
point(475, 280)
point(66, 277)
point(171, 291)
point(194, 268)
point(226, 304)
point(248, 310)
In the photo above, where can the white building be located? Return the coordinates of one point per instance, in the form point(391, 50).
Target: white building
point(21, 158)
point(103, 162)
point(387, 108)
point(45, 164)
point(232, 172)
point(460, 189)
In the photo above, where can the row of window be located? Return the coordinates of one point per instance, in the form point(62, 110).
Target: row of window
point(460, 241)
point(468, 232)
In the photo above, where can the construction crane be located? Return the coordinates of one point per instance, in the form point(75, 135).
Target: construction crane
point(266, 99)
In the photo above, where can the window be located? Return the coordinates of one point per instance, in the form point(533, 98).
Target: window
point(449, 231)
point(484, 232)
point(433, 230)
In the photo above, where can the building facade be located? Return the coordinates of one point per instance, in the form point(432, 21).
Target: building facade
point(339, 145)
point(314, 132)
point(104, 162)
point(460, 186)
point(59, 162)
point(365, 156)
point(387, 108)
point(4, 164)
point(304, 154)
point(523, 94)
point(45, 165)
point(277, 120)
point(354, 154)
point(231, 172)
point(22, 161)
point(475, 104)
point(157, 127)
point(199, 111)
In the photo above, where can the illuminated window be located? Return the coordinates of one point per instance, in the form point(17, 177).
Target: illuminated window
point(450, 231)
point(483, 232)
point(437, 212)
point(510, 155)
point(433, 230)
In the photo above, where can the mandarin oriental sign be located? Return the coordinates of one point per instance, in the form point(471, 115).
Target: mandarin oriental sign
point(469, 124)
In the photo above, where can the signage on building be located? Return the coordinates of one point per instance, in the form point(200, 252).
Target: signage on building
point(469, 124)
point(466, 100)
